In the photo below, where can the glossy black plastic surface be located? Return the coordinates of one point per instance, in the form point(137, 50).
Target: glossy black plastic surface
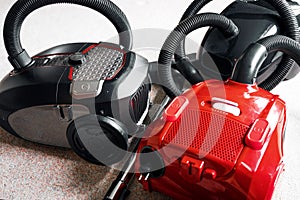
point(47, 82)
point(254, 22)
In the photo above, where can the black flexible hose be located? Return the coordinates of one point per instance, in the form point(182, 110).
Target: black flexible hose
point(178, 34)
point(290, 25)
point(259, 51)
point(192, 10)
point(22, 8)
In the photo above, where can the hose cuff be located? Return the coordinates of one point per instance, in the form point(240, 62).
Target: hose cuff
point(21, 60)
point(232, 30)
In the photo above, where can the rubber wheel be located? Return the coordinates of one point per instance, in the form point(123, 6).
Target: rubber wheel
point(97, 139)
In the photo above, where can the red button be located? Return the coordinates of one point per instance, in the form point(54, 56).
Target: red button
point(71, 73)
point(210, 174)
point(175, 109)
point(258, 134)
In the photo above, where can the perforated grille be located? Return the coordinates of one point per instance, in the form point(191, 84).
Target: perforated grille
point(102, 64)
point(139, 102)
point(205, 132)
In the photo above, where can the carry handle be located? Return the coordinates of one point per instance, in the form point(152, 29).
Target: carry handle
point(18, 56)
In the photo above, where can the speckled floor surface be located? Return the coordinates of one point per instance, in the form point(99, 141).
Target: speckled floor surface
point(32, 171)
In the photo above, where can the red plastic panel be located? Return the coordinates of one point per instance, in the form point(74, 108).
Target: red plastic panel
point(223, 136)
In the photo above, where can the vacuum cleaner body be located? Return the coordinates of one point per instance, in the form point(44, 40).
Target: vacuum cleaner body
point(255, 20)
point(64, 83)
point(216, 141)
point(91, 97)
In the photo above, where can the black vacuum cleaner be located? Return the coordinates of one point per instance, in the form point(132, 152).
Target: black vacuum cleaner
point(91, 97)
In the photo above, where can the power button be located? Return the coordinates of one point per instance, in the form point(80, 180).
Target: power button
point(175, 109)
point(258, 134)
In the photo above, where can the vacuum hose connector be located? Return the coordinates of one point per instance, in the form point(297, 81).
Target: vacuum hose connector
point(248, 65)
point(22, 8)
point(178, 34)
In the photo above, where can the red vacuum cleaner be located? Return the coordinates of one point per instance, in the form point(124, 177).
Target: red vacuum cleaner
point(219, 139)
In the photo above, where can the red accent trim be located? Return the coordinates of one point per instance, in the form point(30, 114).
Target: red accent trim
point(71, 73)
point(89, 48)
point(85, 51)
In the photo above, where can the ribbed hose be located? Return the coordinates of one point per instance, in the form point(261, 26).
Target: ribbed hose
point(178, 34)
point(271, 44)
point(290, 26)
point(283, 44)
point(192, 10)
point(22, 8)
point(287, 46)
